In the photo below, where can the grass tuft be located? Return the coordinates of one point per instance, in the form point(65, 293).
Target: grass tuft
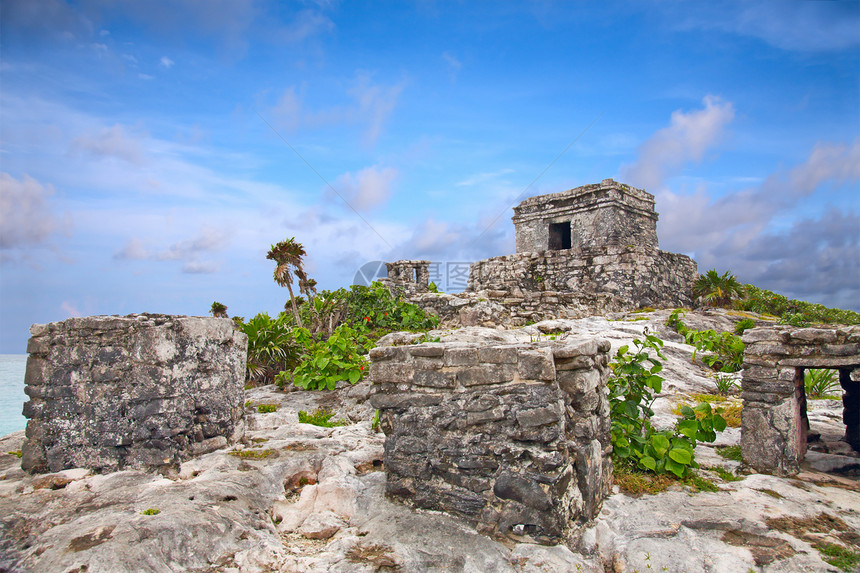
point(321, 417)
point(730, 453)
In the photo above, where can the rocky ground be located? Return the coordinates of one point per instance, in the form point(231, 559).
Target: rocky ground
point(297, 497)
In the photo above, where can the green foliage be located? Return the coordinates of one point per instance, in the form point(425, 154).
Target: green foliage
point(724, 474)
point(218, 310)
point(374, 423)
point(267, 408)
point(793, 311)
point(726, 351)
point(321, 417)
point(16, 453)
point(717, 289)
point(725, 384)
point(271, 346)
point(838, 556)
point(151, 511)
point(743, 325)
point(326, 362)
point(820, 382)
point(373, 308)
point(730, 453)
point(433, 288)
point(633, 386)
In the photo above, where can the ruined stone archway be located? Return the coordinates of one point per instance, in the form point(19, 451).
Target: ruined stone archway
point(774, 429)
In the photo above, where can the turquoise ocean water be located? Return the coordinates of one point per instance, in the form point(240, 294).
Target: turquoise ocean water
point(12, 395)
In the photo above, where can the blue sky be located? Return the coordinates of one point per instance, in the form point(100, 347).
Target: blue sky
point(150, 152)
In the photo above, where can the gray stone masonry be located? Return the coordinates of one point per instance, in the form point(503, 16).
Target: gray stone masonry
point(407, 278)
point(589, 250)
point(512, 438)
point(774, 424)
point(605, 213)
point(136, 392)
point(607, 278)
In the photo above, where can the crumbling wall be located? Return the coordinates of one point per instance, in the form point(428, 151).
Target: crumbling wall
point(513, 438)
point(607, 278)
point(142, 391)
point(774, 428)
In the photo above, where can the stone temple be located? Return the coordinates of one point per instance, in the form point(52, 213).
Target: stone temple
point(588, 250)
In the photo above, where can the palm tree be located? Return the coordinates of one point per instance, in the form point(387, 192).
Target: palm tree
point(288, 255)
point(718, 289)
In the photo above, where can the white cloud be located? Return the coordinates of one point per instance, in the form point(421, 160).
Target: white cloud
point(371, 107)
point(166, 62)
point(70, 309)
point(795, 26)
point(368, 188)
point(737, 230)
point(483, 177)
point(132, 251)
point(207, 240)
point(201, 267)
point(376, 103)
point(26, 217)
point(145, 77)
point(687, 138)
point(110, 142)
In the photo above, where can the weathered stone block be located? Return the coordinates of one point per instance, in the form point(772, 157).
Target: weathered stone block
point(513, 456)
point(435, 379)
point(486, 374)
point(536, 364)
point(497, 355)
point(141, 392)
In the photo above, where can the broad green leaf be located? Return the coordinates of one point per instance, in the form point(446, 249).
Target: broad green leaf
point(649, 463)
point(706, 436)
point(688, 428)
point(681, 456)
point(688, 412)
point(675, 467)
point(660, 444)
point(719, 423)
point(703, 407)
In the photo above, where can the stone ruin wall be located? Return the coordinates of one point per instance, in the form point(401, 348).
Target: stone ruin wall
point(604, 279)
point(138, 392)
point(512, 438)
point(612, 264)
point(774, 426)
point(605, 213)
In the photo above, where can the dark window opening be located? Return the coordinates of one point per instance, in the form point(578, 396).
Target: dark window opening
point(559, 236)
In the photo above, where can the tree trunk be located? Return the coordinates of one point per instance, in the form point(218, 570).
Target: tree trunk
point(295, 308)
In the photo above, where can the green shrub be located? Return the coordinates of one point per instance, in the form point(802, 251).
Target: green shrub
point(726, 351)
point(743, 325)
point(267, 408)
point(151, 511)
point(327, 362)
point(792, 311)
point(633, 386)
point(820, 382)
point(321, 417)
point(271, 346)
